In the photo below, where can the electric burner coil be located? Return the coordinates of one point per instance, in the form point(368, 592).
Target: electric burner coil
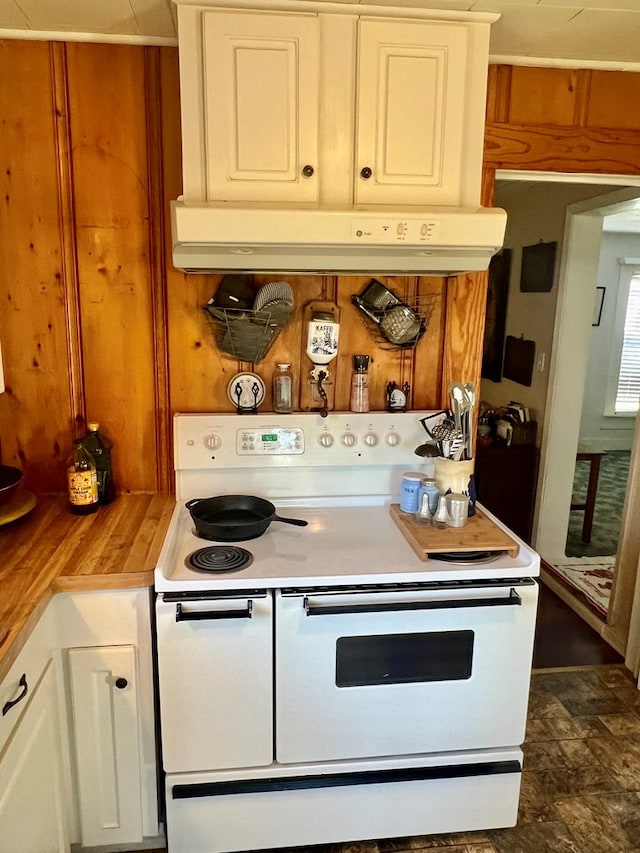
point(219, 558)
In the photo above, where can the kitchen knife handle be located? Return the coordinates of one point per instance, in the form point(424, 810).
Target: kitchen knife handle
point(194, 615)
point(513, 599)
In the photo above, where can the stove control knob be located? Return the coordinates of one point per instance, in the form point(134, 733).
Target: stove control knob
point(392, 439)
point(326, 439)
point(213, 441)
point(370, 439)
point(348, 439)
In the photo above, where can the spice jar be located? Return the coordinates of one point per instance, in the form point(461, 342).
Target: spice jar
point(283, 389)
point(360, 384)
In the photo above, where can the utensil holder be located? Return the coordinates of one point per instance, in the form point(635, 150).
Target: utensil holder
point(456, 477)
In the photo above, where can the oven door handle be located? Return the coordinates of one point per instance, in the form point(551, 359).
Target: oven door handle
point(389, 606)
point(194, 615)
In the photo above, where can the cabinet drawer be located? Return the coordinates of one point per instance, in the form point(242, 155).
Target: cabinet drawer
point(24, 675)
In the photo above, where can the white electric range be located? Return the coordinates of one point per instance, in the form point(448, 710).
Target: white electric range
point(334, 674)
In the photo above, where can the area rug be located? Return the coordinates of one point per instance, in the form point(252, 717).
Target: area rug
point(590, 576)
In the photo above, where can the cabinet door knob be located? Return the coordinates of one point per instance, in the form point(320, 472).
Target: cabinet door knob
point(366, 172)
point(121, 683)
point(307, 171)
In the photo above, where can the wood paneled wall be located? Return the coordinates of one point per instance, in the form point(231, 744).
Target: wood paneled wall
point(562, 120)
point(97, 324)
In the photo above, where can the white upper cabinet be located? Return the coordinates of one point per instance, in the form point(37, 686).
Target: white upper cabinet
point(411, 112)
point(287, 104)
point(260, 82)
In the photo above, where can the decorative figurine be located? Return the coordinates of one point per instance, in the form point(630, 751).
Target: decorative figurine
point(397, 397)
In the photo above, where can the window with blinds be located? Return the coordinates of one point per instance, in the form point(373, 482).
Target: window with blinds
point(628, 390)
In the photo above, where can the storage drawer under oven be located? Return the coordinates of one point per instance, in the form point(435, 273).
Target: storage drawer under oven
point(402, 670)
point(217, 813)
point(215, 673)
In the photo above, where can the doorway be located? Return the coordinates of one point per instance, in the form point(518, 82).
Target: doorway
point(560, 322)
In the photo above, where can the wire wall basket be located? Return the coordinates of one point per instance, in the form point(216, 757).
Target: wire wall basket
point(247, 335)
point(393, 323)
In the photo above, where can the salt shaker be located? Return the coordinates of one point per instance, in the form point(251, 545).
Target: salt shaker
point(423, 514)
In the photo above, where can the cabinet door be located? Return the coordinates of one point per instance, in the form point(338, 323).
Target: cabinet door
point(105, 713)
point(411, 112)
point(32, 818)
point(261, 100)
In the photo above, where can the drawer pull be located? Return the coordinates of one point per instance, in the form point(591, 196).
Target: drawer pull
point(9, 705)
point(121, 683)
point(190, 616)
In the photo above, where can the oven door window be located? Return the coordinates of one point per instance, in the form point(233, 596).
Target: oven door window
point(404, 658)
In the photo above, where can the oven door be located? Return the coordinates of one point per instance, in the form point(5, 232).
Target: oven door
point(402, 671)
point(215, 677)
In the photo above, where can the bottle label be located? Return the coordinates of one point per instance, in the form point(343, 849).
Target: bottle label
point(83, 487)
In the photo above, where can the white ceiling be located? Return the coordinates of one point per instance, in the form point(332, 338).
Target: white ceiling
point(581, 33)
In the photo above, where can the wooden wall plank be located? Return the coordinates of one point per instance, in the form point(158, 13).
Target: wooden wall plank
point(427, 360)
point(466, 310)
point(571, 149)
point(358, 338)
point(35, 410)
point(68, 235)
point(110, 167)
point(498, 89)
point(542, 96)
point(158, 227)
point(289, 345)
point(613, 100)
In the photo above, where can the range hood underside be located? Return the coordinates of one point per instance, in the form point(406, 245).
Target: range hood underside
point(440, 241)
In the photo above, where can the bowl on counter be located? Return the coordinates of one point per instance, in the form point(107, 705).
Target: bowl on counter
point(10, 479)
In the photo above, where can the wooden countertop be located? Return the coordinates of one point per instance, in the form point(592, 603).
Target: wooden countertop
point(50, 550)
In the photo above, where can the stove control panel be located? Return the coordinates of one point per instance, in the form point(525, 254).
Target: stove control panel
point(270, 441)
point(208, 442)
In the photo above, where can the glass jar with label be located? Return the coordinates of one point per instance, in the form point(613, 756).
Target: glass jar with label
point(82, 481)
point(283, 389)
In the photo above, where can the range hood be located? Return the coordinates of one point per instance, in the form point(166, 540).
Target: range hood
point(437, 241)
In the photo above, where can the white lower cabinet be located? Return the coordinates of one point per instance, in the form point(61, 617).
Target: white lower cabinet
point(32, 810)
point(77, 743)
point(105, 715)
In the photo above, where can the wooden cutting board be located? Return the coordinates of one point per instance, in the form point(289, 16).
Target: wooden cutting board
point(480, 533)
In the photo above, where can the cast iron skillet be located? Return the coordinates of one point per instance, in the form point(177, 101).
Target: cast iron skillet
point(234, 518)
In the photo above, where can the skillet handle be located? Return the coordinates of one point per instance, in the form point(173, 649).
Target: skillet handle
point(192, 502)
point(299, 522)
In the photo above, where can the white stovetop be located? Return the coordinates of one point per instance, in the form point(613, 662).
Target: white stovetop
point(342, 544)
